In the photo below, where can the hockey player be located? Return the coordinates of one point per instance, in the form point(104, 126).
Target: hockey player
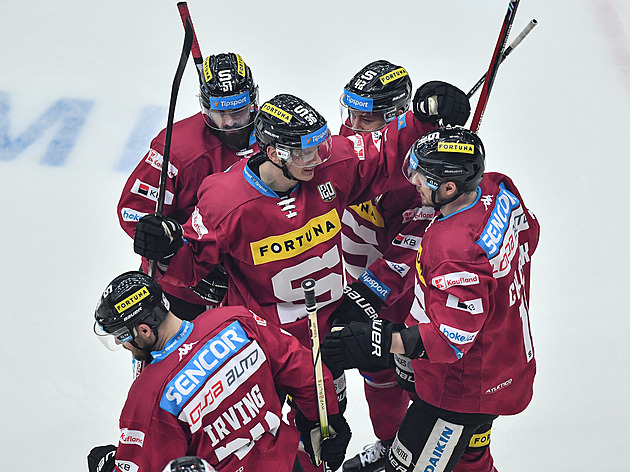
point(209, 388)
point(274, 220)
point(469, 335)
point(377, 260)
point(202, 144)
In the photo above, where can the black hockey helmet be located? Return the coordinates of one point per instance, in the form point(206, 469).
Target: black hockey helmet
point(188, 464)
point(380, 87)
point(451, 154)
point(295, 129)
point(129, 300)
point(228, 88)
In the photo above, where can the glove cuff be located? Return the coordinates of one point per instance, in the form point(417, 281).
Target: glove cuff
point(414, 347)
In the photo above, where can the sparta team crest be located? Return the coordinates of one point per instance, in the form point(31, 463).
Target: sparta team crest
point(327, 191)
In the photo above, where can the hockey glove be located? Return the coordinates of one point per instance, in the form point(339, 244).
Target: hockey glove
point(213, 286)
point(364, 346)
point(404, 372)
point(158, 238)
point(435, 101)
point(102, 459)
point(331, 450)
point(359, 303)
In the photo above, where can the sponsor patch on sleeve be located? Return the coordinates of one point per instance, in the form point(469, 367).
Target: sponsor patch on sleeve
point(474, 307)
point(446, 281)
point(375, 284)
point(197, 224)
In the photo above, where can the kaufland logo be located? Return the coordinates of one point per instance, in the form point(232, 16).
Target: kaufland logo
point(131, 436)
point(155, 159)
point(446, 281)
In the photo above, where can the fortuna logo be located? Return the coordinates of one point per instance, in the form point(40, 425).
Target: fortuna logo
point(131, 436)
point(443, 282)
point(277, 112)
point(456, 147)
point(369, 212)
point(185, 349)
point(285, 246)
point(393, 75)
point(132, 299)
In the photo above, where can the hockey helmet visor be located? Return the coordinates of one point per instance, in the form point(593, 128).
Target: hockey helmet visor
point(315, 149)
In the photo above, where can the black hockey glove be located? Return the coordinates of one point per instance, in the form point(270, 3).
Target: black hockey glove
point(359, 303)
point(364, 346)
point(102, 459)
point(435, 101)
point(331, 450)
point(158, 238)
point(414, 347)
point(404, 372)
point(213, 286)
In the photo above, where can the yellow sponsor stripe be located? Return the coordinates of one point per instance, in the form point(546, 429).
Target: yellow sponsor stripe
point(393, 75)
point(207, 73)
point(132, 299)
point(288, 245)
point(277, 112)
point(456, 147)
point(480, 440)
point(240, 65)
point(368, 211)
point(418, 269)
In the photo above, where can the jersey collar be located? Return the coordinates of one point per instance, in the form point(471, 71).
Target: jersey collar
point(256, 182)
point(478, 190)
point(173, 343)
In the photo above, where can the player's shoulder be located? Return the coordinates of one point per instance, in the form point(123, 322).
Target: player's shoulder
point(191, 140)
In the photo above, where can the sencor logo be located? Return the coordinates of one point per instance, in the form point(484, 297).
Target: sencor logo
point(446, 281)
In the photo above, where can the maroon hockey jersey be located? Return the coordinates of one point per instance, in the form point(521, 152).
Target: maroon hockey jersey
point(269, 245)
point(379, 250)
point(211, 393)
point(472, 304)
point(195, 153)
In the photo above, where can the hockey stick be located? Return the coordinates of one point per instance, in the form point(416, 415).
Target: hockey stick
point(506, 53)
point(308, 286)
point(196, 51)
point(494, 65)
point(159, 207)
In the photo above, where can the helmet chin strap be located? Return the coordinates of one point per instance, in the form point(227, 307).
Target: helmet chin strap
point(284, 169)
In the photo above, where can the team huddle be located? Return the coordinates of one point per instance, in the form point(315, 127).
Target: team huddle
point(421, 264)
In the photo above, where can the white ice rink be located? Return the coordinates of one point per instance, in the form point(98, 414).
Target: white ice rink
point(84, 86)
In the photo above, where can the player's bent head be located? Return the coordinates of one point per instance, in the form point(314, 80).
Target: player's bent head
point(451, 154)
point(130, 299)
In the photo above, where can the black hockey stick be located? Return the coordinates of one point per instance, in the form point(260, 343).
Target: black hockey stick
point(494, 64)
point(196, 50)
point(308, 286)
point(159, 207)
point(506, 53)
